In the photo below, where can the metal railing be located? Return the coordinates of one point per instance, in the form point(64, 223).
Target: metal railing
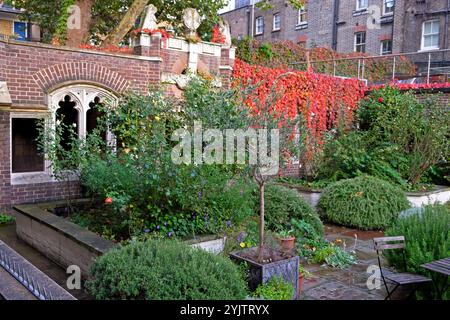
point(414, 67)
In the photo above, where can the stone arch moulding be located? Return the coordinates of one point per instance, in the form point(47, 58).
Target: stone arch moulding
point(76, 72)
point(83, 95)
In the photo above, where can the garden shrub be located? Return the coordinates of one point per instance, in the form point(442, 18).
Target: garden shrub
point(275, 289)
point(364, 202)
point(165, 270)
point(427, 235)
point(284, 204)
point(315, 249)
point(419, 130)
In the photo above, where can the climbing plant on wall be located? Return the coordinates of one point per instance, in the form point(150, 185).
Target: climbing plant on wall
point(323, 102)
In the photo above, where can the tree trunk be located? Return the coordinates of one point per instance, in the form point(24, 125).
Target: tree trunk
point(79, 24)
point(261, 222)
point(114, 38)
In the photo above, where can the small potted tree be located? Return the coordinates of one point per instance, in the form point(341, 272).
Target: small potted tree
point(266, 262)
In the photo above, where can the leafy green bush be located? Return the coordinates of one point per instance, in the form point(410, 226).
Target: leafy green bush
point(418, 129)
point(165, 270)
point(315, 249)
point(283, 205)
point(275, 289)
point(427, 237)
point(6, 219)
point(364, 202)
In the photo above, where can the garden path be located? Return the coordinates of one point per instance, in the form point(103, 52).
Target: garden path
point(328, 283)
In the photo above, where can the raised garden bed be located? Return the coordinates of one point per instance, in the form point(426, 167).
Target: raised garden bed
point(417, 199)
point(57, 238)
point(261, 273)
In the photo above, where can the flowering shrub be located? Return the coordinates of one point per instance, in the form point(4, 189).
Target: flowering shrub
point(111, 49)
point(217, 36)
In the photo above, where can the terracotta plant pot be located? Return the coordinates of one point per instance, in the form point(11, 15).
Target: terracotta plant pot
point(300, 284)
point(287, 244)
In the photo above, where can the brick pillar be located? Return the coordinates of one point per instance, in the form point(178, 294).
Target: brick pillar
point(226, 65)
point(5, 163)
point(149, 46)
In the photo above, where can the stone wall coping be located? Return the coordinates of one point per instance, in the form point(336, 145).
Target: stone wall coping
point(82, 236)
point(437, 190)
point(93, 52)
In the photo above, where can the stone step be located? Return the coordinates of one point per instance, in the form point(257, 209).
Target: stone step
point(13, 260)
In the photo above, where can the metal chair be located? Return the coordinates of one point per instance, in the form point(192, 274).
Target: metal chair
point(398, 279)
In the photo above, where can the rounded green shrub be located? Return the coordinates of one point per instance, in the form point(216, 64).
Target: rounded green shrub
point(364, 202)
point(427, 234)
point(165, 270)
point(283, 204)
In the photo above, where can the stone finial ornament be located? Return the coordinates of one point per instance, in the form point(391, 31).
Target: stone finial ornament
point(191, 20)
point(149, 18)
point(225, 30)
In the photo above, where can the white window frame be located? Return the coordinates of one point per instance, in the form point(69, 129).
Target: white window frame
point(14, 30)
point(382, 52)
point(422, 44)
point(360, 44)
point(302, 12)
point(22, 178)
point(261, 20)
point(276, 15)
point(385, 11)
point(360, 6)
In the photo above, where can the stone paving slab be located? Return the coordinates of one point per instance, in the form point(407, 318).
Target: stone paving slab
point(328, 283)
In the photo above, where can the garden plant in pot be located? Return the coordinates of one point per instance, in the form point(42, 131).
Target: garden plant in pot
point(286, 240)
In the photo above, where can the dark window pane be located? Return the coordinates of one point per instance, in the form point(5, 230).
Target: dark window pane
point(25, 155)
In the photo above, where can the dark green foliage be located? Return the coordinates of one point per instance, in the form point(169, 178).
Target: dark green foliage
point(276, 289)
point(399, 139)
point(314, 248)
point(427, 237)
point(283, 205)
point(364, 202)
point(6, 219)
point(165, 270)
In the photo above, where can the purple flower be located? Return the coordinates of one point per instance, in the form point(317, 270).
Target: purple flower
point(158, 227)
point(200, 195)
point(241, 236)
point(147, 230)
point(165, 224)
point(170, 234)
point(228, 224)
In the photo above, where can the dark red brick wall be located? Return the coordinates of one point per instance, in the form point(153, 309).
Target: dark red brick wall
point(42, 192)
point(31, 71)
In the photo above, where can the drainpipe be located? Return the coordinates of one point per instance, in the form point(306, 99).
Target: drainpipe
point(335, 24)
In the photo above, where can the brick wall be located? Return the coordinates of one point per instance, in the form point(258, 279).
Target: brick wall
point(404, 26)
point(5, 167)
point(43, 192)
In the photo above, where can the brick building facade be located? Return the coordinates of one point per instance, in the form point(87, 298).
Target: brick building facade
point(373, 26)
point(37, 80)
